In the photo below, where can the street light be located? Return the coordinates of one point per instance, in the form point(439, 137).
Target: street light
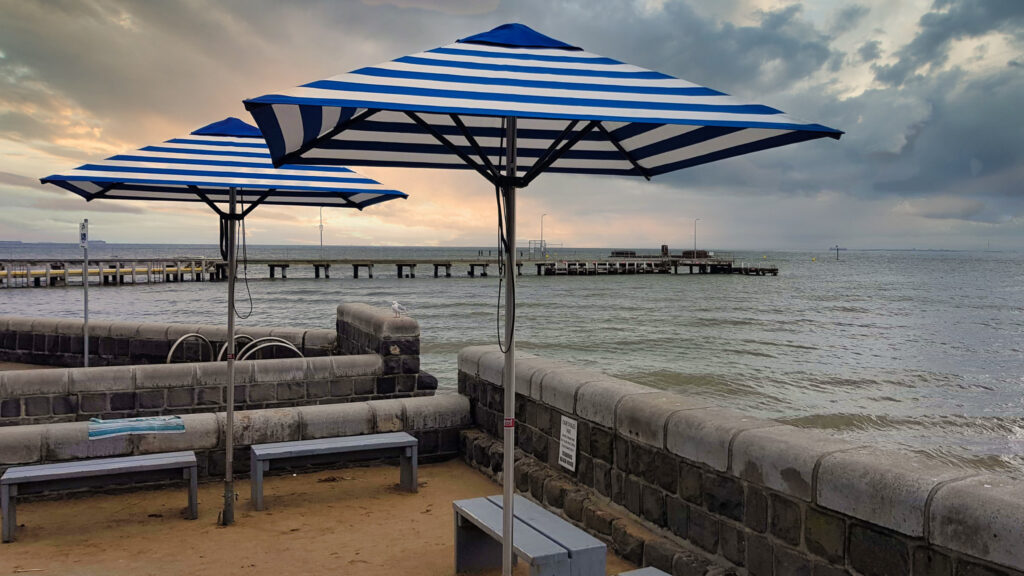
point(695, 220)
point(543, 250)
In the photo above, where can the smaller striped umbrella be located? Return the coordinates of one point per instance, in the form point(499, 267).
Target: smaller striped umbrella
point(216, 164)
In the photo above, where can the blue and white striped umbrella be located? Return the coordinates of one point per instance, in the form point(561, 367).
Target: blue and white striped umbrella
point(206, 164)
point(511, 104)
point(577, 112)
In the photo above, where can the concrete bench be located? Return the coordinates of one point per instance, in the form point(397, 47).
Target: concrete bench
point(263, 454)
point(549, 544)
point(89, 473)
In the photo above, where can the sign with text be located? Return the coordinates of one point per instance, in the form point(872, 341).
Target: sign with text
point(83, 234)
point(567, 447)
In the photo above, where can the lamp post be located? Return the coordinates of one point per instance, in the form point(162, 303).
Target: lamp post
point(695, 220)
point(543, 249)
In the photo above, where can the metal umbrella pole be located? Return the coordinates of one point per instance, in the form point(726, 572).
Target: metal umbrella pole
point(228, 515)
point(509, 373)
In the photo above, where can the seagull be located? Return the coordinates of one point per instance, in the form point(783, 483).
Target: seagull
point(397, 308)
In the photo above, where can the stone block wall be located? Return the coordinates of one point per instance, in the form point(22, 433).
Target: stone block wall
point(435, 421)
point(69, 394)
point(757, 496)
point(60, 342)
point(363, 329)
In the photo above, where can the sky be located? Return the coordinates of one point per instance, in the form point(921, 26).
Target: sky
point(928, 92)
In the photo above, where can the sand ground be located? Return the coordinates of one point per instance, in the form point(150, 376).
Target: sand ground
point(20, 366)
point(337, 522)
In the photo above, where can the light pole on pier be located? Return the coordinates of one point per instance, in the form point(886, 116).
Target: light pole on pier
point(695, 220)
point(543, 249)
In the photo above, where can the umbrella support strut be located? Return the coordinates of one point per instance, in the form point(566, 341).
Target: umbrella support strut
point(509, 373)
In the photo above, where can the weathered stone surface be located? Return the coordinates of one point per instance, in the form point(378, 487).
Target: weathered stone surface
point(791, 563)
point(262, 426)
point(598, 520)
point(154, 376)
point(280, 370)
point(628, 541)
point(756, 509)
point(825, 535)
point(704, 435)
point(103, 379)
point(875, 553)
point(21, 383)
point(554, 492)
point(642, 417)
point(733, 542)
point(703, 530)
point(931, 562)
point(492, 366)
point(760, 556)
point(201, 433)
point(332, 420)
point(92, 403)
point(660, 553)
point(122, 401)
point(884, 488)
point(689, 564)
point(441, 411)
point(782, 458)
point(151, 399)
point(36, 405)
point(786, 519)
point(602, 444)
point(530, 371)
point(677, 516)
point(181, 397)
point(632, 489)
point(691, 483)
point(209, 396)
point(597, 400)
point(70, 441)
point(356, 365)
point(388, 415)
point(21, 444)
point(558, 387)
point(469, 358)
point(575, 502)
point(602, 478)
point(653, 504)
point(820, 569)
point(378, 321)
point(287, 390)
point(723, 495)
point(983, 517)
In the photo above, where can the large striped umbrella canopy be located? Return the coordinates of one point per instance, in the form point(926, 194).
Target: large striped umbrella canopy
point(511, 104)
point(226, 162)
point(205, 165)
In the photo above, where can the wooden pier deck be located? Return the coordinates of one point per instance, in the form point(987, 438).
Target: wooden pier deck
point(114, 272)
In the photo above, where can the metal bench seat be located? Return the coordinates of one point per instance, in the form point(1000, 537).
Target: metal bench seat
point(262, 455)
point(549, 544)
point(86, 473)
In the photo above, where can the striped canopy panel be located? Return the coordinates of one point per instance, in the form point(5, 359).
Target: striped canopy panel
point(443, 109)
point(206, 164)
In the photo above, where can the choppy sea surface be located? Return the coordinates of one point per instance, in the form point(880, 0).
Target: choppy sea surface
point(914, 350)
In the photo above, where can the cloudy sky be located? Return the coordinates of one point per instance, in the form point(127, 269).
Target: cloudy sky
point(928, 91)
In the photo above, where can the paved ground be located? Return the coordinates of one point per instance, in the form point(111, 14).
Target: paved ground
point(18, 366)
point(349, 521)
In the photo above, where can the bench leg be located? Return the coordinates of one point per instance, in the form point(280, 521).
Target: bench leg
point(257, 484)
point(475, 550)
point(7, 508)
point(193, 492)
point(409, 474)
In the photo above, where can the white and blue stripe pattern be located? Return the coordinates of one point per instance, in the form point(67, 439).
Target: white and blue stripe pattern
point(145, 425)
point(207, 163)
point(628, 120)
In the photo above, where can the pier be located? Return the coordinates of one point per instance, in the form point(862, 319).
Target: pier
point(28, 273)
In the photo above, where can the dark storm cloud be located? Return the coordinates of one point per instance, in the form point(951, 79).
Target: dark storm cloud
point(870, 51)
point(951, 20)
point(848, 18)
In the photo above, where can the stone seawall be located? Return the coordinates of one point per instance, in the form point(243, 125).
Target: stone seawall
point(363, 329)
point(435, 421)
point(59, 342)
point(69, 394)
point(764, 498)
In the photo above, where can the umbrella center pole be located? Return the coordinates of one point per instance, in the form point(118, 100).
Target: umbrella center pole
point(228, 514)
point(509, 373)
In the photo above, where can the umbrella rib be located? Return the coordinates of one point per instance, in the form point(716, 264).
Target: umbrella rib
point(258, 201)
point(554, 155)
point(448, 144)
point(555, 144)
point(618, 146)
point(476, 146)
point(296, 156)
point(209, 202)
point(103, 191)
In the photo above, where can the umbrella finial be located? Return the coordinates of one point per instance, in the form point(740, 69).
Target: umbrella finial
point(515, 35)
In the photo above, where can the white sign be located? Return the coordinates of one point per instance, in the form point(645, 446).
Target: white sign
point(567, 447)
point(83, 234)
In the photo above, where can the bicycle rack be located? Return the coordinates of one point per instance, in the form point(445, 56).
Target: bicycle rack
point(224, 347)
point(267, 342)
point(209, 345)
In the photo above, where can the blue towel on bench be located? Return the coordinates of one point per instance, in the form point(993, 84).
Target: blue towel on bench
point(99, 428)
